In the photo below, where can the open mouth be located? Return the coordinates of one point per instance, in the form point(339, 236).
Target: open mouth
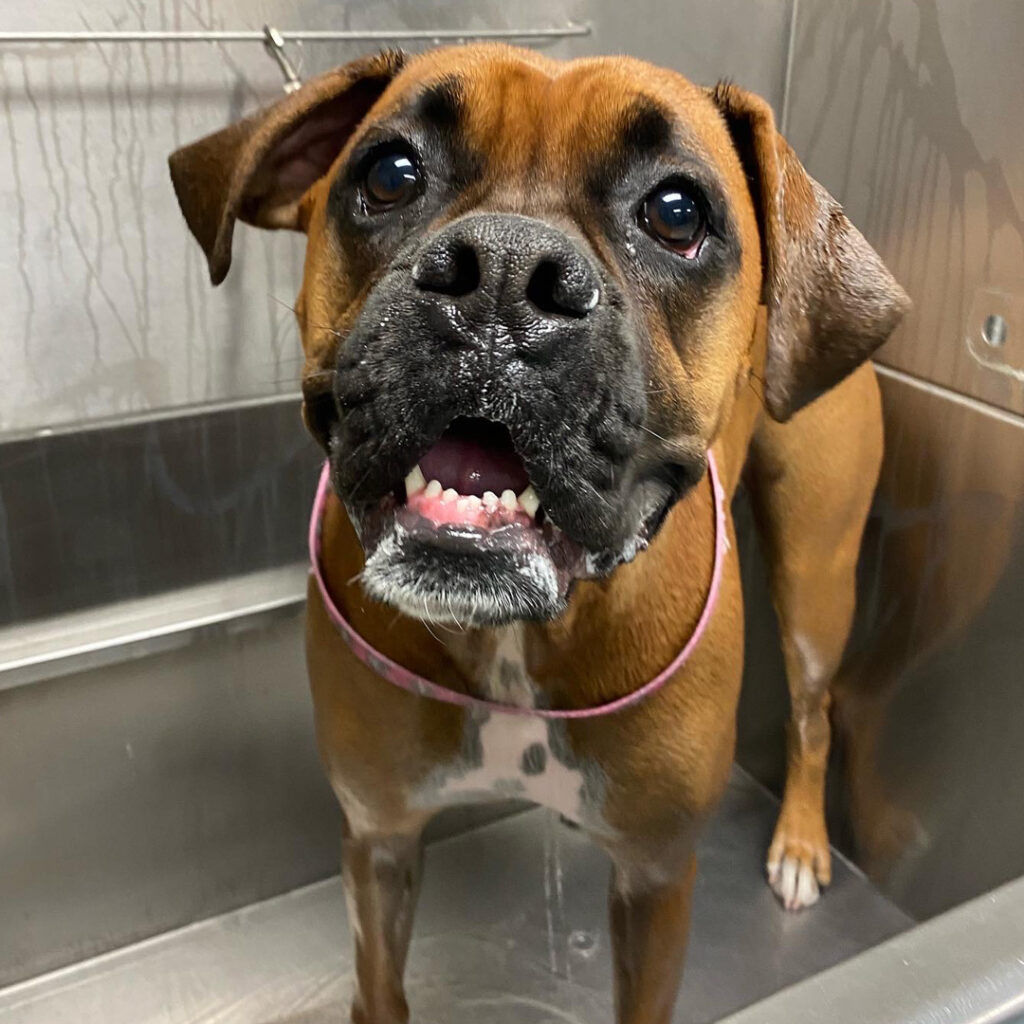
point(473, 477)
point(466, 538)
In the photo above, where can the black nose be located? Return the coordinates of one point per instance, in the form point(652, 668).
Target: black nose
point(511, 265)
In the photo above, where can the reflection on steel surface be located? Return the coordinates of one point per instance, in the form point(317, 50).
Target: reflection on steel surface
point(493, 942)
point(908, 113)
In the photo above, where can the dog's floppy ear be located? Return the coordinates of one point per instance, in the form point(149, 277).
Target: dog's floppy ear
point(258, 169)
point(831, 301)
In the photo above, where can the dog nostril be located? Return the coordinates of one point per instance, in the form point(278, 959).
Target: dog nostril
point(553, 291)
point(455, 271)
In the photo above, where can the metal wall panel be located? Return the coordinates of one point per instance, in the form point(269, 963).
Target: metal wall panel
point(743, 40)
point(910, 113)
point(98, 515)
point(141, 796)
point(105, 304)
point(930, 712)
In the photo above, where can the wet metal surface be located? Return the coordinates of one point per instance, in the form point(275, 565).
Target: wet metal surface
point(511, 930)
point(105, 304)
point(965, 967)
point(97, 516)
point(908, 113)
point(143, 793)
point(929, 720)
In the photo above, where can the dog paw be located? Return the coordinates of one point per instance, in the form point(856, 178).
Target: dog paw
point(798, 869)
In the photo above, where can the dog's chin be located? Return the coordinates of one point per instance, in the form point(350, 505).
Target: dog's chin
point(468, 587)
point(461, 575)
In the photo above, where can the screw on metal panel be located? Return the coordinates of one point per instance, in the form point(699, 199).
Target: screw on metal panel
point(583, 943)
point(993, 331)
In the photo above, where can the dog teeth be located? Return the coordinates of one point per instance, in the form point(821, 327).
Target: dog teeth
point(468, 505)
point(415, 481)
point(529, 501)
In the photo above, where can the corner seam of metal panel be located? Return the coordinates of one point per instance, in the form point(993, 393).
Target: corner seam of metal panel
point(787, 80)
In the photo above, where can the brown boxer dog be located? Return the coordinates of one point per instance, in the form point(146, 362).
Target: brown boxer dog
point(535, 295)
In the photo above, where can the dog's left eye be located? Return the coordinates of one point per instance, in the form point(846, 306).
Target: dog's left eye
point(393, 179)
point(675, 218)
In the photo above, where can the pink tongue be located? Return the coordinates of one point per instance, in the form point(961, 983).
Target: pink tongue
point(474, 457)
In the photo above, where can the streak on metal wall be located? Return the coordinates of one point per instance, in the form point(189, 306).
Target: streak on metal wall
point(910, 113)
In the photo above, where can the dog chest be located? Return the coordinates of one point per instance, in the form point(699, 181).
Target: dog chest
point(507, 756)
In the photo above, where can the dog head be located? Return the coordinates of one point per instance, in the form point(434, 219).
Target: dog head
point(529, 299)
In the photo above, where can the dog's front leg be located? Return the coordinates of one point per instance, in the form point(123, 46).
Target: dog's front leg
point(650, 924)
point(382, 874)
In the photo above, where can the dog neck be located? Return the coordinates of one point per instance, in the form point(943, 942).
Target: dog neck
point(591, 656)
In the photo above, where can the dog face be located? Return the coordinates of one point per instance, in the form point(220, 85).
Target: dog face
point(529, 299)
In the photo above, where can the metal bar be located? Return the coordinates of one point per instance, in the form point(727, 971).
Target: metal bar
point(982, 408)
point(273, 43)
point(307, 36)
point(45, 649)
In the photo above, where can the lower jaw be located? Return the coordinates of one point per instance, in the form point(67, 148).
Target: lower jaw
point(464, 589)
point(458, 574)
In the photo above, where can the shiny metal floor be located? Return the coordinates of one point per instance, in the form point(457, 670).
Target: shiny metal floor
point(511, 928)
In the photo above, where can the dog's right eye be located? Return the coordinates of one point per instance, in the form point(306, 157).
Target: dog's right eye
point(392, 179)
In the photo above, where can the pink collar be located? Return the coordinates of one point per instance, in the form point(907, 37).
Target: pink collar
point(395, 673)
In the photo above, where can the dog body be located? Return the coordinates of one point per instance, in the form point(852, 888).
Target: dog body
point(574, 279)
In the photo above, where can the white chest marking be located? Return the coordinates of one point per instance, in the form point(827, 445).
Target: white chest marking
point(516, 761)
